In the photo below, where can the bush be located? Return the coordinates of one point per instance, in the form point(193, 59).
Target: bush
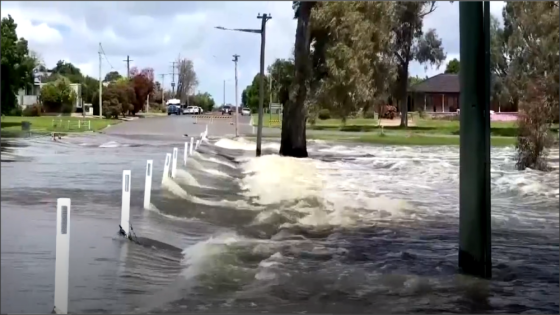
point(15, 111)
point(34, 110)
point(112, 108)
point(388, 112)
point(324, 114)
point(535, 137)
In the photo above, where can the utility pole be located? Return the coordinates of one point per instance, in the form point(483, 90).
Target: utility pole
point(100, 86)
point(265, 17)
point(173, 78)
point(162, 88)
point(235, 59)
point(128, 60)
point(475, 256)
point(224, 93)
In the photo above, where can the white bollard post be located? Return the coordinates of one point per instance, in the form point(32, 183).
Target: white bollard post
point(79, 124)
point(125, 205)
point(62, 258)
point(148, 184)
point(197, 144)
point(185, 153)
point(89, 124)
point(166, 166)
point(174, 162)
point(206, 132)
point(191, 146)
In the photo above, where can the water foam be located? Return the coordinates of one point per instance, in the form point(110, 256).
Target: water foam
point(214, 160)
point(170, 185)
point(244, 144)
point(195, 164)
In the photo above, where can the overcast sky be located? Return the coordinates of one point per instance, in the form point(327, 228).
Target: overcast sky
point(156, 33)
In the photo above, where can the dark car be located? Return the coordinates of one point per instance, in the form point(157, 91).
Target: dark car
point(174, 110)
point(226, 110)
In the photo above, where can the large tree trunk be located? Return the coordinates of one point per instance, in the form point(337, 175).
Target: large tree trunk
point(293, 142)
point(403, 97)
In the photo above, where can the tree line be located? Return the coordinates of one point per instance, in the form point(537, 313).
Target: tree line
point(121, 96)
point(351, 57)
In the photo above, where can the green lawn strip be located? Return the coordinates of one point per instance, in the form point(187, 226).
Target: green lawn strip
point(423, 126)
point(398, 138)
point(401, 139)
point(61, 124)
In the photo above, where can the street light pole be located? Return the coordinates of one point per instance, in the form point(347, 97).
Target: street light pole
point(265, 17)
point(235, 59)
point(262, 31)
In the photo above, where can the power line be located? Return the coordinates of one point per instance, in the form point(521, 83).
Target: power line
point(105, 55)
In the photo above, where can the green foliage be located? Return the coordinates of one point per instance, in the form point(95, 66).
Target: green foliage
point(252, 94)
point(34, 110)
point(203, 100)
point(118, 99)
point(532, 33)
point(354, 55)
point(324, 114)
point(112, 76)
point(16, 111)
point(411, 44)
point(453, 66)
point(17, 64)
point(58, 96)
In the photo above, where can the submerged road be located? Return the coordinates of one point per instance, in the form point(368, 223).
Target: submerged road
point(355, 229)
point(175, 127)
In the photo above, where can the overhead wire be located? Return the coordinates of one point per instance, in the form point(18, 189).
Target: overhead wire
point(105, 55)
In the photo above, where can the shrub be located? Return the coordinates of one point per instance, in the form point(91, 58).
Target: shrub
point(16, 111)
point(112, 108)
point(535, 137)
point(34, 110)
point(324, 114)
point(388, 112)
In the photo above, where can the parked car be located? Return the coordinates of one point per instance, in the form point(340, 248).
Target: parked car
point(226, 110)
point(190, 110)
point(245, 111)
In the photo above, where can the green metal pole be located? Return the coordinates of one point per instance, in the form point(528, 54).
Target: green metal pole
point(474, 183)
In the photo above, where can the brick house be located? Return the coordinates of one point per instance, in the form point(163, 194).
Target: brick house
point(438, 94)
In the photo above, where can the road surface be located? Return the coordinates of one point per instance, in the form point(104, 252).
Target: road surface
point(176, 127)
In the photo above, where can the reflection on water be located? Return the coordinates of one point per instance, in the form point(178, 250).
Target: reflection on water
point(356, 229)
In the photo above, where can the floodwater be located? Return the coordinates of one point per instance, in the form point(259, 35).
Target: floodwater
point(356, 229)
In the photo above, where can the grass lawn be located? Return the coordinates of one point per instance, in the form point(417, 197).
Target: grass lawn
point(274, 121)
point(49, 124)
point(422, 126)
point(414, 139)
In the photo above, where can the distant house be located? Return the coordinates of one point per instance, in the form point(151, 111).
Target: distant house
point(30, 95)
point(441, 94)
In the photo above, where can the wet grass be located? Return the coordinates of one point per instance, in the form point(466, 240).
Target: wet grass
point(411, 139)
point(47, 124)
point(422, 126)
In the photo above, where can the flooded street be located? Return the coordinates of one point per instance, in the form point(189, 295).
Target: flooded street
point(354, 229)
